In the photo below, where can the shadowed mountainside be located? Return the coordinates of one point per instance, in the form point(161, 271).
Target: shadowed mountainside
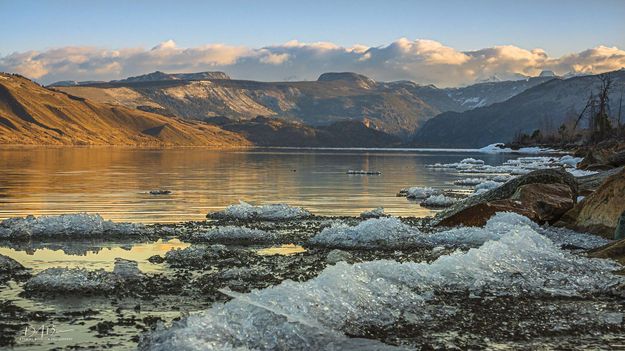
point(545, 107)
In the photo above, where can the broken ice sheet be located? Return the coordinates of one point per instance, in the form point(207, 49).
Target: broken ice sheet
point(270, 212)
point(348, 299)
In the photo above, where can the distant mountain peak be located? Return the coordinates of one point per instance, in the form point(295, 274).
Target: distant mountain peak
point(361, 80)
point(161, 76)
point(547, 73)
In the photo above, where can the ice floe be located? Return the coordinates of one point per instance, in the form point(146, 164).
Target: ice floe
point(487, 185)
point(497, 148)
point(375, 213)
point(79, 280)
point(80, 225)
point(419, 193)
point(469, 181)
point(439, 201)
point(377, 232)
point(270, 212)
point(349, 299)
point(387, 233)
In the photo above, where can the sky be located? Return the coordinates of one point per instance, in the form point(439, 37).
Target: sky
point(456, 41)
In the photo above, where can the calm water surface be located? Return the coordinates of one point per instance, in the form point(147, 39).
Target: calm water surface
point(114, 181)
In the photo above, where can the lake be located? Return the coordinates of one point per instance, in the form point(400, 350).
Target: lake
point(115, 182)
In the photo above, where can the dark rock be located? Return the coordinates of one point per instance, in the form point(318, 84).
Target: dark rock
point(468, 212)
point(546, 202)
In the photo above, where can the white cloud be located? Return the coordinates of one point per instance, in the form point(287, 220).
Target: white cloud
point(421, 60)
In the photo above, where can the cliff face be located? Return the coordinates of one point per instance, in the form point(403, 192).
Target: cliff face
point(31, 114)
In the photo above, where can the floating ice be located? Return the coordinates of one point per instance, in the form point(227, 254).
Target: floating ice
point(501, 148)
point(472, 161)
point(66, 225)
point(78, 280)
point(439, 201)
point(417, 192)
point(270, 212)
point(375, 213)
point(469, 181)
point(570, 160)
point(377, 232)
point(580, 172)
point(233, 234)
point(487, 185)
point(350, 299)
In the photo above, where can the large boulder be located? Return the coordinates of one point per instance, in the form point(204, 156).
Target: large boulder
point(542, 195)
point(600, 211)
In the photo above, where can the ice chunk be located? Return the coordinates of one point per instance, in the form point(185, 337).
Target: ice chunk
point(127, 269)
point(487, 185)
point(375, 213)
point(439, 201)
point(229, 234)
point(335, 256)
point(349, 299)
point(580, 172)
point(473, 161)
point(75, 280)
point(567, 238)
point(417, 192)
point(270, 212)
point(469, 181)
point(378, 232)
point(66, 225)
point(570, 160)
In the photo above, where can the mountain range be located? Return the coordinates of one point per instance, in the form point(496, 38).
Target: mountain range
point(338, 109)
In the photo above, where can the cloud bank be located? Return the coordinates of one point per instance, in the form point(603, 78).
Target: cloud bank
point(423, 61)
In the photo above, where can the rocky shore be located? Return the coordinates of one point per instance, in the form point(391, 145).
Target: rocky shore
point(540, 252)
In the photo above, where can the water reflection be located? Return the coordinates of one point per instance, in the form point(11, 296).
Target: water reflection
point(284, 250)
point(39, 256)
point(114, 181)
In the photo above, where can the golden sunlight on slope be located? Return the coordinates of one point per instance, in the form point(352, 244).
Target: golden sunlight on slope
point(31, 114)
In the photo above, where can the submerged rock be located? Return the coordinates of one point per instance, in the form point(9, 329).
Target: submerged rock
point(232, 234)
point(200, 256)
point(160, 192)
point(270, 212)
point(476, 210)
